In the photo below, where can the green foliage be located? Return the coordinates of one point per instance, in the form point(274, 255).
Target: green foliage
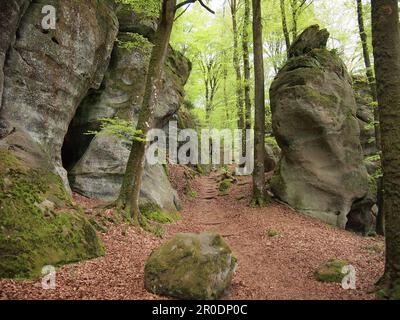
point(119, 128)
point(224, 186)
point(134, 41)
point(192, 194)
point(271, 233)
point(150, 8)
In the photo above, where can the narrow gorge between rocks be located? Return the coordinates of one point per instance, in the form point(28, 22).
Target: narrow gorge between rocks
point(199, 150)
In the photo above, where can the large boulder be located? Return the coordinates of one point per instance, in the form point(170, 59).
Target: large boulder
point(97, 170)
point(321, 172)
point(191, 266)
point(39, 224)
point(10, 15)
point(47, 73)
point(100, 171)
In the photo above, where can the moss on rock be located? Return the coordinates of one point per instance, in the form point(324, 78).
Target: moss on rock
point(154, 213)
point(331, 271)
point(39, 225)
point(191, 266)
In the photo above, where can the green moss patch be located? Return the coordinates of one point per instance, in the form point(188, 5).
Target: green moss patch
point(154, 213)
point(191, 266)
point(273, 233)
point(331, 271)
point(39, 225)
point(225, 185)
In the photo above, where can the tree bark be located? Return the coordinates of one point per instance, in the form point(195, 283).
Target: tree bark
point(246, 63)
point(236, 65)
point(294, 18)
point(128, 200)
point(386, 46)
point(285, 27)
point(259, 193)
point(368, 69)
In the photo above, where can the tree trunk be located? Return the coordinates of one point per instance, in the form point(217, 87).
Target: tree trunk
point(259, 193)
point(368, 69)
point(236, 66)
point(285, 27)
point(386, 45)
point(130, 190)
point(226, 99)
point(246, 63)
point(294, 19)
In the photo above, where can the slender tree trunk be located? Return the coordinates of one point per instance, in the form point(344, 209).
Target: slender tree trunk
point(130, 190)
point(294, 19)
point(246, 63)
point(386, 45)
point(284, 26)
point(259, 193)
point(371, 81)
point(226, 100)
point(368, 69)
point(236, 66)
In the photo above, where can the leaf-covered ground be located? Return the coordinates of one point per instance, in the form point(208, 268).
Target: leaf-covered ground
point(278, 251)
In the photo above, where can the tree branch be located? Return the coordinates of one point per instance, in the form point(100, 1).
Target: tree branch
point(184, 3)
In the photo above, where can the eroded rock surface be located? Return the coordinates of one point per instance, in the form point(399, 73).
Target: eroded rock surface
point(39, 224)
point(321, 172)
point(100, 170)
point(191, 266)
point(48, 72)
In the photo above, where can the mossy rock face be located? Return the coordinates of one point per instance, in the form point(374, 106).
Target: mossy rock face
point(39, 225)
point(191, 266)
point(154, 213)
point(331, 271)
point(321, 170)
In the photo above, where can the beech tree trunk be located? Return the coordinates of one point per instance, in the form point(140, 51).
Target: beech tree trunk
point(386, 45)
point(368, 69)
point(284, 26)
point(128, 200)
point(259, 193)
point(246, 63)
point(236, 65)
point(294, 7)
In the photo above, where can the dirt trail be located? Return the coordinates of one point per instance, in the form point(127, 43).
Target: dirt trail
point(278, 267)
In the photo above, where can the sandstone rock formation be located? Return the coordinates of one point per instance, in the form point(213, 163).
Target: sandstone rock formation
point(10, 16)
point(100, 170)
point(191, 266)
point(53, 78)
point(321, 172)
point(48, 72)
point(39, 223)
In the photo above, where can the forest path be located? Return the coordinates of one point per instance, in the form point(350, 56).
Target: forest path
point(279, 267)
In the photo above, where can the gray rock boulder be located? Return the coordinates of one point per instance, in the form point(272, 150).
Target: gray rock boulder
point(191, 266)
point(311, 38)
point(321, 172)
point(39, 224)
point(47, 73)
point(103, 160)
point(10, 15)
point(99, 174)
point(272, 154)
